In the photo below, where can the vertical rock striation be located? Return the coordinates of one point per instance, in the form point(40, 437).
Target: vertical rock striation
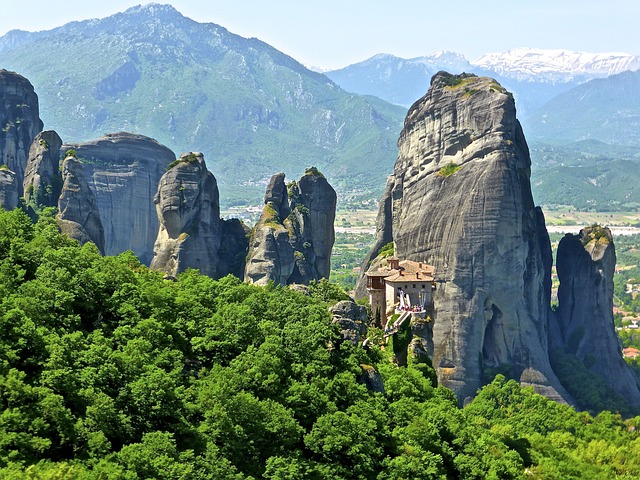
point(19, 122)
point(292, 241)
point(42, 183)
point(78, 215)
point(9, 189)
point(460, 199)
point(123, 171)
point(585, 264)
point(191, 231)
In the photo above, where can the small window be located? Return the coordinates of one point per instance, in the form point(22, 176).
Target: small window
point(413, 286)
point(405, 287)
point(423, 286)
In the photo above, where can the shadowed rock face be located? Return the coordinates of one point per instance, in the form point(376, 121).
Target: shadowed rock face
point(189, 214)
point(42, 182)
point(460, 199)
point(9, 190)
point(123, 171)
point(585, 264)
point(292, 241)
point(19, 122)
point(78, 215)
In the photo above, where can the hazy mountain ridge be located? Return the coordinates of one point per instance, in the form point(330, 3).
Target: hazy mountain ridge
point(605, 109)
point(533, 75)
point(250, 108)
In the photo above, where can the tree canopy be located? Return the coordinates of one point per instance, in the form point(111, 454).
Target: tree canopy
point(109, 371)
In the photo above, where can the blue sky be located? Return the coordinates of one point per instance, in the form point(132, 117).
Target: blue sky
point(336, 33)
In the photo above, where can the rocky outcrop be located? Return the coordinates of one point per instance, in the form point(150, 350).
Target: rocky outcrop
point(9, 189)
point(292, 241)
point(352, 319)
point(42, 183)
point(19, 122)
point(189, 215)
point(585, 264)
point(78, 215)
point(460, 199)
point(123, 171)
point(234, 245)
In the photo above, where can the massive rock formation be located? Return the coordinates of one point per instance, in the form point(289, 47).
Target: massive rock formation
point(187, 205)
point(19, 122)
point(460, 199)
point(123, 171)
point(292, 241)
point(42, 182)
point(585, 327)
point(9, 189)
point(78, 215)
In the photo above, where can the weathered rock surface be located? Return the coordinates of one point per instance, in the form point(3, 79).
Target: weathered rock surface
point(9, 190)
point(123, 171)
point(585, 265)
point(42, 183)
point(234, 245)
point(460, 199)
point(78, 215)
point(19, 122)
point(352, 319)
point(189, 215)
point(292, 241)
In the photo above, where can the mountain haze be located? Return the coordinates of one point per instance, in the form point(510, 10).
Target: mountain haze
point(607, 110)
point(249, 108)
point(533, 75)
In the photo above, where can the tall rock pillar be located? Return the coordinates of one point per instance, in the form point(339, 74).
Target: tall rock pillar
point(460, 199)
point(585, 264)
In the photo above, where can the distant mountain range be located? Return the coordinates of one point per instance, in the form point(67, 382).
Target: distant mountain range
point(252, 110)
point(580, 113)
point(533, 75)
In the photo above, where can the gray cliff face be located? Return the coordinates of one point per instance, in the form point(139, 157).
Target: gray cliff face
point(78, 215)
point(9, 190)
point(292, 241)
point(189, 216)
point(19, 122)
point(234, 245)
point(585, 265)
point(460, 199)
point(123, 170)
point(42, 182)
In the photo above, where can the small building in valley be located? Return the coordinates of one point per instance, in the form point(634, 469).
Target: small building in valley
point(401, 285)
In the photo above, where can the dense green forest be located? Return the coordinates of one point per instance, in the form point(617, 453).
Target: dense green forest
point(109, 371)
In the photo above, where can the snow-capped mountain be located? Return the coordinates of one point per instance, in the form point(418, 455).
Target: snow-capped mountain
point(538, 65)
point(533, 75)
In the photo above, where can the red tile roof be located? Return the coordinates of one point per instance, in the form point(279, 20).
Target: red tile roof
point(408, 271)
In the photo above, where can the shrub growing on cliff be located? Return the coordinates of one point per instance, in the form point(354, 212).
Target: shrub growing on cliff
point(449, 170)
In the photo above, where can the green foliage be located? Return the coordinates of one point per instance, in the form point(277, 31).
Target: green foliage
point(70, 153)
point(456, 81)
point(116, 373)
point(595, 233)
point(326, 291)
point(313, 171)
point(589, 390)
point(587, 175)
point(386, 251)
point(449, 170)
